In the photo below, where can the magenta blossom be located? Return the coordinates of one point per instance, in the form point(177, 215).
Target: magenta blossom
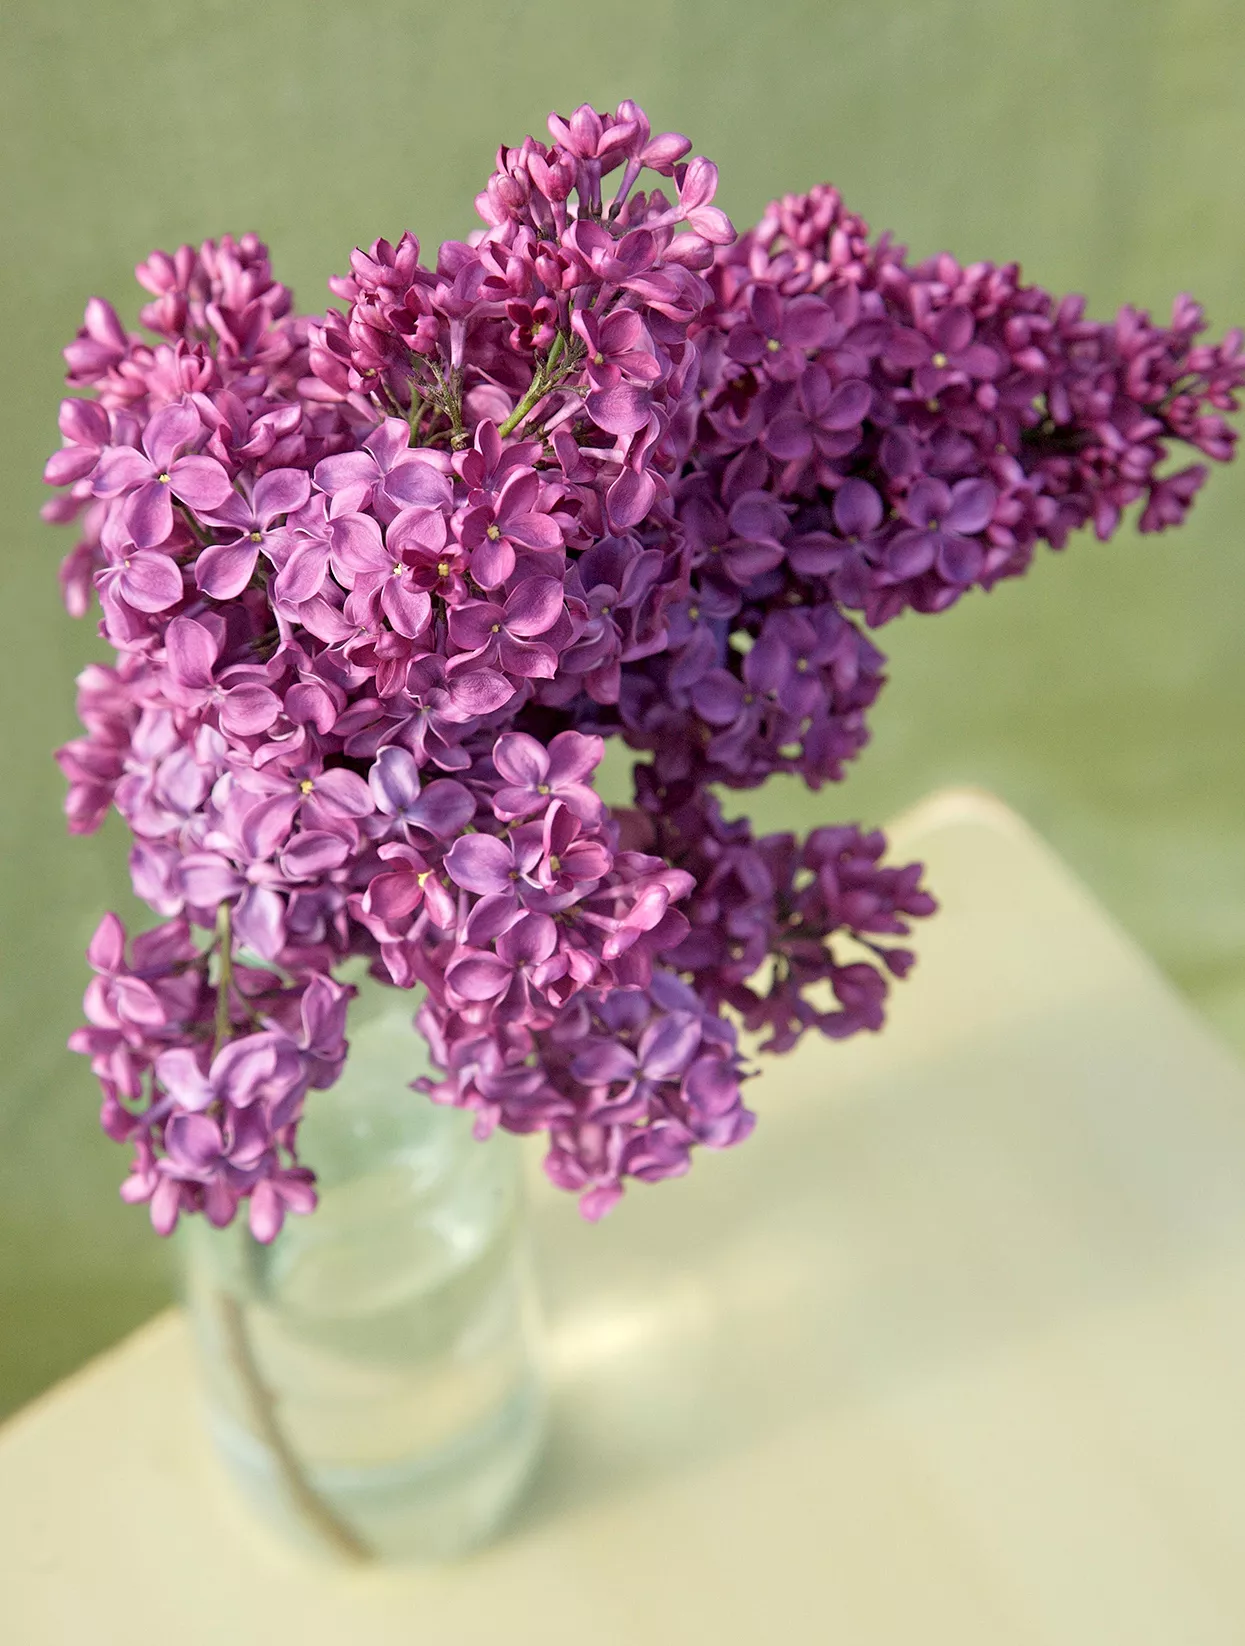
point(533, 775)
point(380, 583)
point(149, 479)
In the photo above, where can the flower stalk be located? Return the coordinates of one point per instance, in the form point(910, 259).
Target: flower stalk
point(262, 1410)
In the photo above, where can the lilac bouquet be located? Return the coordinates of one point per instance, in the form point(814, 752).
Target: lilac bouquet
point(381, 581)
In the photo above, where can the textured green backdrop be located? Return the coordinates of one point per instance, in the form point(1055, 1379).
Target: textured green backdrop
point(1098, 141)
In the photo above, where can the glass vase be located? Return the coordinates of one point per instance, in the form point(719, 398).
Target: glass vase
point(372, 1377)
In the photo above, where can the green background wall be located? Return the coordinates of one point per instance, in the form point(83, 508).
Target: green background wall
point(1098, 141)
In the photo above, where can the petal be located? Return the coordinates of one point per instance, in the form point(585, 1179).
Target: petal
point(248, 710)
point(166, 1205)
point(521, 760)
point(267, 1212)
point(629, 499)
point(473, 624)
point(151, 582)
point(531, 940)
point(208, 880)
point(477, 975)
point(422, 529)
point(848, 405)
point(906, 348)
point(259, 921)
point(223, 570)
point(788, 438)
point(443, 810)
point(298, 1193)
point(668, 1045)
point(191, 652)
point(492, 562)
point(746, 344)
point(928, 501)
point(766, 307)
point(69, 464)
point(172, 428)
point(807, 323)
point(343, 792)
point(711, 1086)
point(149, 514)
point(699, 185)
point(528, 659)
point(414, 481)
point(479, 691)
point(179, 1073)
point(718, 697)
point(334, 474)
point(279, 492)
point(394, 780)
point(394, 897)
point(311, 703)
point(255, 1065)
point(408, 610)
point(980, 360)
point(602, 1062)
point(857, 509)
point(534, 606)
point(106, 950)
point(534, 531)
point(758, 518)
point(494, 914)
point(960, 559)
point(972, 506)
point(137, 1002)
point(200, 482)
point(911, 553)
point(193, 1141)
point(573, 756)
point(267, 826)
point(620, 411)
point(85, 422)
point(388, 441)
point(313, 852)
point(597, 1201)
point(480, 863)
point(304, 572)
point(712, 224)
point(953, 330)
point(357, 544)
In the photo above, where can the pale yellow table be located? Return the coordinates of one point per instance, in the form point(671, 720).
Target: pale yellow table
point(953, 1351)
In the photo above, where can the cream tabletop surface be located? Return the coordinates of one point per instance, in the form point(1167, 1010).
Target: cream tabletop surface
point(952, 1351)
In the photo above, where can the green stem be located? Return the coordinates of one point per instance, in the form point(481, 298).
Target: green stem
point(555, 352)
point(260, 1402)
point(263, 1414)
point(447, 397)
point(224, 974)
point(545, 378)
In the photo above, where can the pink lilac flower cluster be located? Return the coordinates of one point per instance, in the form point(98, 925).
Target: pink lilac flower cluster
point(379, 583)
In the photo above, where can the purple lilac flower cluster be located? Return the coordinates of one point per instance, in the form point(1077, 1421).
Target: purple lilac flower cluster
point(872, 436)
point(379, 583)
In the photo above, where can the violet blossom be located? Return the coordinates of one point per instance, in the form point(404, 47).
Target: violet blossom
point(381, 582)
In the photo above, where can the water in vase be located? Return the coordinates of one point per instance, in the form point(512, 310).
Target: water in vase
point(393, 1329)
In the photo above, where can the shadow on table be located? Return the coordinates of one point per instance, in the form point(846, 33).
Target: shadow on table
point(875, 1238)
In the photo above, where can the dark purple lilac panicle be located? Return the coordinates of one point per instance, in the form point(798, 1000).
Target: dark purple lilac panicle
point(380, 582)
